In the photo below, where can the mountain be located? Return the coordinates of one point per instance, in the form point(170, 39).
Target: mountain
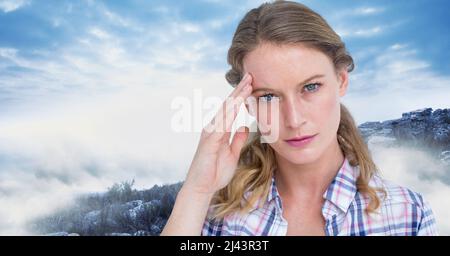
point(123, 210)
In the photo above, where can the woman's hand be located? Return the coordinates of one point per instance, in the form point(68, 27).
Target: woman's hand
point(212, 168)
point(215, 160)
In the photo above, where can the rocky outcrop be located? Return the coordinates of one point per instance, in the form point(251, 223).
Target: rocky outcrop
point(422, 128)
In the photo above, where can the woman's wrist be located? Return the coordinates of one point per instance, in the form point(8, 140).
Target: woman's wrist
point(189, 212)
point(194, 194)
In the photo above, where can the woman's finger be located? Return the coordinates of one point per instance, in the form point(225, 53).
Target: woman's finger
point(234, 106)
point(239, 139)
point(247, 78)
point(230, 111)
point(220, 121)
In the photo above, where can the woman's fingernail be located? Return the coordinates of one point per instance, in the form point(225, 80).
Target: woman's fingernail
point(245, 76)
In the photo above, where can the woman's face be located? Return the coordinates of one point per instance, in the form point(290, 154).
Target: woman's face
point(297, 92)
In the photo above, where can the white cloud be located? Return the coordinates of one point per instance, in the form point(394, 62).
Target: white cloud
point(355, 23)
point(357, 12)
point(398, 46)
point(367, 10)
point(12, 5)
point(361, 32)
point(189, 27)
point(8, 53)
point(99, 33)
point(115, 18)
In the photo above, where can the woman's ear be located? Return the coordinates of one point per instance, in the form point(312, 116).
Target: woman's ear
point(343, 81)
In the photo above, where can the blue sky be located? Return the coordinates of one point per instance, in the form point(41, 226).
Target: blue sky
point(47, 32)
point(86, 87)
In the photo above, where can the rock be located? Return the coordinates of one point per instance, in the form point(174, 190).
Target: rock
point(90, 221)
point(133, 204)
point(142, 233)
point(445, 157)
point(418, 115)
point(118, 234)
point(441, 134)
point(135, 207)
point(386, 141)
point(422, 127)
point(155, 229)
point(58, 234)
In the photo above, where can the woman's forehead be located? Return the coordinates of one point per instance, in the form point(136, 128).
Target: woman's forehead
point(271, 65)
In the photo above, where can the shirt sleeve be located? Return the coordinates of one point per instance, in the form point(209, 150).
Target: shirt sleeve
point(427, 225)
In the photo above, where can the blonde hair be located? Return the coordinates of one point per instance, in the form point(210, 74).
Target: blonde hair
point(280, 23)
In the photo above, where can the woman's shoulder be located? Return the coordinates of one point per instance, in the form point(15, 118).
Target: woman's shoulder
point(407, 211)
point(396, 193)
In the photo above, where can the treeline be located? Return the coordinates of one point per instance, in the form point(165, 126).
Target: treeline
point(122, 210)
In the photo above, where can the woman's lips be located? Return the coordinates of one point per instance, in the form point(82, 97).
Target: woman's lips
point(300, 142)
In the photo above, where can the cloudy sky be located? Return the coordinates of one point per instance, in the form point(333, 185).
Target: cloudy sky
point(87, 88)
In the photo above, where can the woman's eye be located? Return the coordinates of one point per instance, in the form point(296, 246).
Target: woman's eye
point(312, 87)
point(266, 97)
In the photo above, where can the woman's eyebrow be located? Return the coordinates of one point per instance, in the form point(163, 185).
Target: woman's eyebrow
point(311, 78)
point(299, 84)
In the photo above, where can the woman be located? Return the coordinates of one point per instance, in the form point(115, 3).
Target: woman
point(316, 175)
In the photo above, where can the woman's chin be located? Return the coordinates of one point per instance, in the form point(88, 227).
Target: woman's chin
point(304, 156)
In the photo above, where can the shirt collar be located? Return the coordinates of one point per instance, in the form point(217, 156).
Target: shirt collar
point(273, 192)
point(342, 189)
point(340, 192)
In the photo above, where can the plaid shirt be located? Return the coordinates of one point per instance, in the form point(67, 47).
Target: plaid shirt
point(403, 212)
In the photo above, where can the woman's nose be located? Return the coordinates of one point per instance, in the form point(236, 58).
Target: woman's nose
point(292, 114)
